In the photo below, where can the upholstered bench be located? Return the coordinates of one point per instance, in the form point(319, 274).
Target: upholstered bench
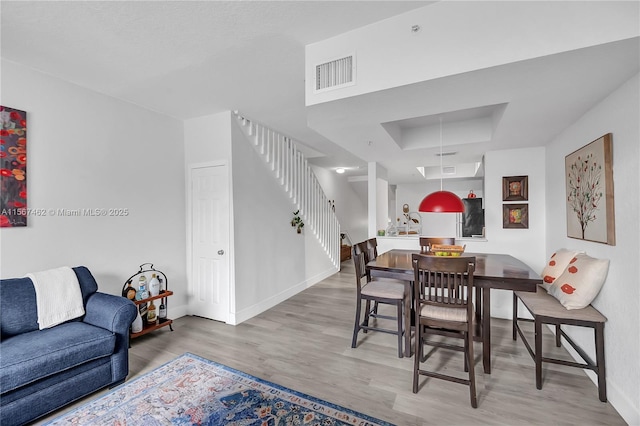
point(546, 309)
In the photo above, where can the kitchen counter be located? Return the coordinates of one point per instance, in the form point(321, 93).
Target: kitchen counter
point(412, 242)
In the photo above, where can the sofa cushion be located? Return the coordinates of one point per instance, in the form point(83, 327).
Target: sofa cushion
point(18, 311)
point(63, 388)
point(88, 284)
point(45, 385)
point(32, 356)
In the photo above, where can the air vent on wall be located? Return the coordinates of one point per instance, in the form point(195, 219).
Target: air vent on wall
point(335, 74)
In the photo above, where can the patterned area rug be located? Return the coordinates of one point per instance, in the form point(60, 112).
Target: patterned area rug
point(195, 391)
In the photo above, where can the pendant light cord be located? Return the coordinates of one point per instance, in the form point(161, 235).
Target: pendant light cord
point(440, 153)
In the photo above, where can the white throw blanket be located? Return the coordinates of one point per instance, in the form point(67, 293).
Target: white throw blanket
point(58, 296)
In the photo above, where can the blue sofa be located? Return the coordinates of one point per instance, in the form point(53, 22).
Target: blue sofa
point(43, 370)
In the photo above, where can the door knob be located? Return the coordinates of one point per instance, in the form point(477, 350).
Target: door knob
point(220, 252)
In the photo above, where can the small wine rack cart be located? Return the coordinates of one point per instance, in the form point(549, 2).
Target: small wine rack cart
point(164, 294)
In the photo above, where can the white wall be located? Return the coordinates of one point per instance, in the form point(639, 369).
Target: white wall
point(351, 211)
point(382, 205)
point(269, 261)
point(619, 299)
point(208, 140)
point(87, 150)
point(377, 198)
point(528, 245)
point(273, 262)
point(479, 35)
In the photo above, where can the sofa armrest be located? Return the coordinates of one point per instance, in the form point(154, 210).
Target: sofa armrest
point(115, 314)
point(110, 312)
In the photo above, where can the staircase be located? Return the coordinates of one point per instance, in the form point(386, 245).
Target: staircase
point(292, 171)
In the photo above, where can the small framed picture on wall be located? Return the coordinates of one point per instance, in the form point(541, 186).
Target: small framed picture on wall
point(515, 188)
point(515, 216)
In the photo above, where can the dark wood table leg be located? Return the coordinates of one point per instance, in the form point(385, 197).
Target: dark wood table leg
point(602, 378)
point(478, 307)
point(538, 356)
point(408, 303)
point(486, 329)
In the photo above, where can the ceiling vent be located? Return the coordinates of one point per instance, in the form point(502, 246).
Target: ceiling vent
point(449, 170)
point(336, 74)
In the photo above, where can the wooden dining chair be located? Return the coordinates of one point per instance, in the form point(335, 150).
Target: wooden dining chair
point(371, 254)
point(442, 306)
point(427, 242)
point(372, 249)
point(378, 290)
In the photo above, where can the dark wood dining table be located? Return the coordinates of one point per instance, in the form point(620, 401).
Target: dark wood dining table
point(492, 271)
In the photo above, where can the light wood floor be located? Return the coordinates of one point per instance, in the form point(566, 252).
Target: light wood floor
point(305, 344)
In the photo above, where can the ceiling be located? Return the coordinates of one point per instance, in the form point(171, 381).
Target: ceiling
point(189, 59)
point(517, 105)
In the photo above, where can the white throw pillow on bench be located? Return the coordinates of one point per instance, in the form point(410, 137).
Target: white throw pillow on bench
point(556, 266)
point(581, 281)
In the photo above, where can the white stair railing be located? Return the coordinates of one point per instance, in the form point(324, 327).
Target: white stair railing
point(293, 172)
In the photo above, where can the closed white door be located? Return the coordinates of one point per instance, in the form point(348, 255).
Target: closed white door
point(210, 221)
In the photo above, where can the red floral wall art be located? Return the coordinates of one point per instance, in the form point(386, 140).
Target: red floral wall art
point(13, 167)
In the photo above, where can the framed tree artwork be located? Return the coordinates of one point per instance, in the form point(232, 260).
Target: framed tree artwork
point(589, 183)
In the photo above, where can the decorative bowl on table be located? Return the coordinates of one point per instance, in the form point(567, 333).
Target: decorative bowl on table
point(447, 250)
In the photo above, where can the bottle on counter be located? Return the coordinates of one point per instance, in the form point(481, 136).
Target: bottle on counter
point(152, 316)
point(129, 291)
point(144, 309)
point(136, 326)
point(154, 285)
point(391, 230)
point(142, 288)
point(162, 312)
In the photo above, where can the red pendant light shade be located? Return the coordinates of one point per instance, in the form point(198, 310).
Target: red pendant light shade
point(441, 202)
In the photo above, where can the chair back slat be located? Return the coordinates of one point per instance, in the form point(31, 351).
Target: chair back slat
point(443, 281)
point(372, 249)
point(360, 259)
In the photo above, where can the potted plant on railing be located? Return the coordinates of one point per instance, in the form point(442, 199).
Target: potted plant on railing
point(297, 221)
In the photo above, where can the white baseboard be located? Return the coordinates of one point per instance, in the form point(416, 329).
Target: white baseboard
point(250, 312)
point(175, 312)
point(629, 412)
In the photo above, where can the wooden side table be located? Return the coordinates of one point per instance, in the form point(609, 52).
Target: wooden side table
point(345, 252)
point(162, 322)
